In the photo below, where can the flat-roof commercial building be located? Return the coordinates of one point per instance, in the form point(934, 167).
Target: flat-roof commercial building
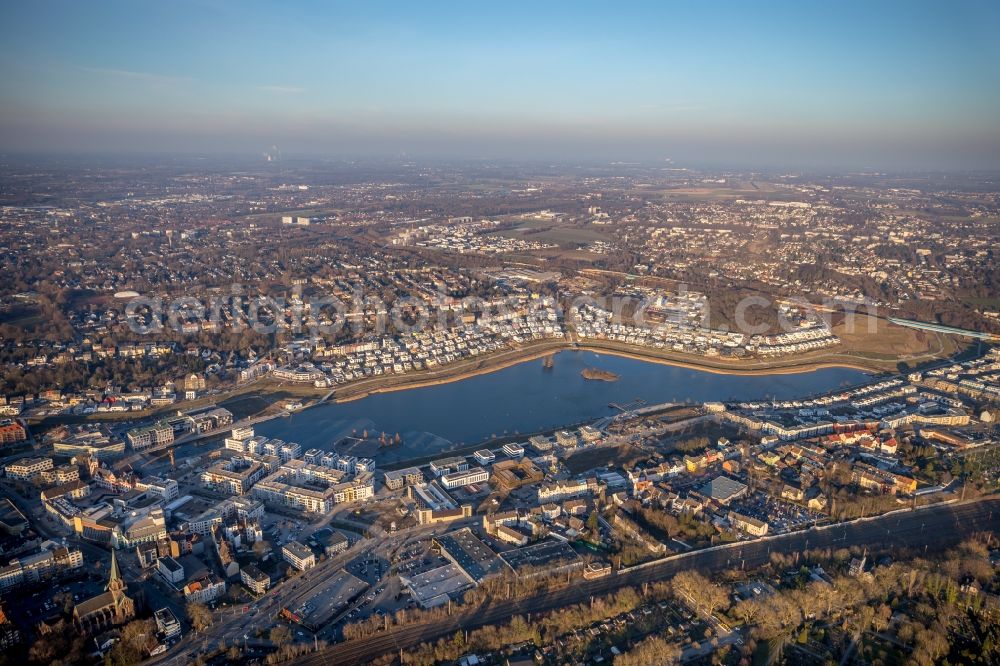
point(434, 517)
point(171, 570)
point(465, 478)
point(449, 465)
point(465, 550)
point(431, 496)
point(434, 588)
point(723, 489)
point(12, 521)
point(95, 442)
point(484, 456)
point(513, 450)
point(543, 557)
point(334, 542)
point(140, 528)
point(511, 474)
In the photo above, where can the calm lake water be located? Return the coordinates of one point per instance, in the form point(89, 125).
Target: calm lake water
point(527, 398)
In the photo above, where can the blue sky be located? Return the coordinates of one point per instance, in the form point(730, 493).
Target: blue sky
point(853, 83)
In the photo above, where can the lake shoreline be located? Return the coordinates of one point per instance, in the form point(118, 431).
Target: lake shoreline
point(510, 395)
point(470, 368)
point(461, 373)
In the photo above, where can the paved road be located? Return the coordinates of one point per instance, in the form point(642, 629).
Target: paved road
point(932, 527)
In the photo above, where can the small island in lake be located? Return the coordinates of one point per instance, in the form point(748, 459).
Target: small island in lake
point(599, 375)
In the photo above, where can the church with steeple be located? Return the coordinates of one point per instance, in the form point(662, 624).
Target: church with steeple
point(111, 608)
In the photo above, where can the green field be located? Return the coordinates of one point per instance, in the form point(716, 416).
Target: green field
point(21, 316)
point(545, 232)
point(985, 303)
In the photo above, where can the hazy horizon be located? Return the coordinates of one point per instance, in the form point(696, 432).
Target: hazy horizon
point(895, 86)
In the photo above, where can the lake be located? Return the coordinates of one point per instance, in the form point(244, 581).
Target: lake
point(527, 398)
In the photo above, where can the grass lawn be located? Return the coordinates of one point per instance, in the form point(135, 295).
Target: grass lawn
point(623, 456)
point(888, 340)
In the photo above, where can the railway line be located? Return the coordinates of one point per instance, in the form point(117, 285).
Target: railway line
point(936, 526)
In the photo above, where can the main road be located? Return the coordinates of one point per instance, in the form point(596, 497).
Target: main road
point(935, 526)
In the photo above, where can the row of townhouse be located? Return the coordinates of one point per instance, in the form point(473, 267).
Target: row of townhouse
point(263, 446)
point(560, 490)
point(344, 463)
point(422, 350)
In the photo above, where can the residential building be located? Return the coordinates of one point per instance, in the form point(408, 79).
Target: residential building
point(12, 431)
point(558, 490)
point(254, 579)
point(167, 624)
point(298, 555)
point(26, 469)
point(153, 435)
point(400, 478)
point(748, 524)
point(234, 476)
point(205, 590)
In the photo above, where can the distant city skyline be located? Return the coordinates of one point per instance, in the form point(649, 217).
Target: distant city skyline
point(882, 85)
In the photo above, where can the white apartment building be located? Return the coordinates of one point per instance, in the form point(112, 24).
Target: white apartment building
point(484, 456)
point(465, 478)
point(27, 468)
point(513, 450)
point(298, 555)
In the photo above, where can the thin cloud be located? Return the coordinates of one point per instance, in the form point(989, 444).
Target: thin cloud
point(136, 76)
point(683, 106)
point(281, 90)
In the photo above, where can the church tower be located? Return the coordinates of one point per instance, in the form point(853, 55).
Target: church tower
point(111, 608)
point(116, 584)
point(124, 607)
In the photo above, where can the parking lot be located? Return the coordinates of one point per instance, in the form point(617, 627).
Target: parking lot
point(781, 516)
point(331, 599)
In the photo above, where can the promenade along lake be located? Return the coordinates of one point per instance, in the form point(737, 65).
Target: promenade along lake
point(529, 397)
